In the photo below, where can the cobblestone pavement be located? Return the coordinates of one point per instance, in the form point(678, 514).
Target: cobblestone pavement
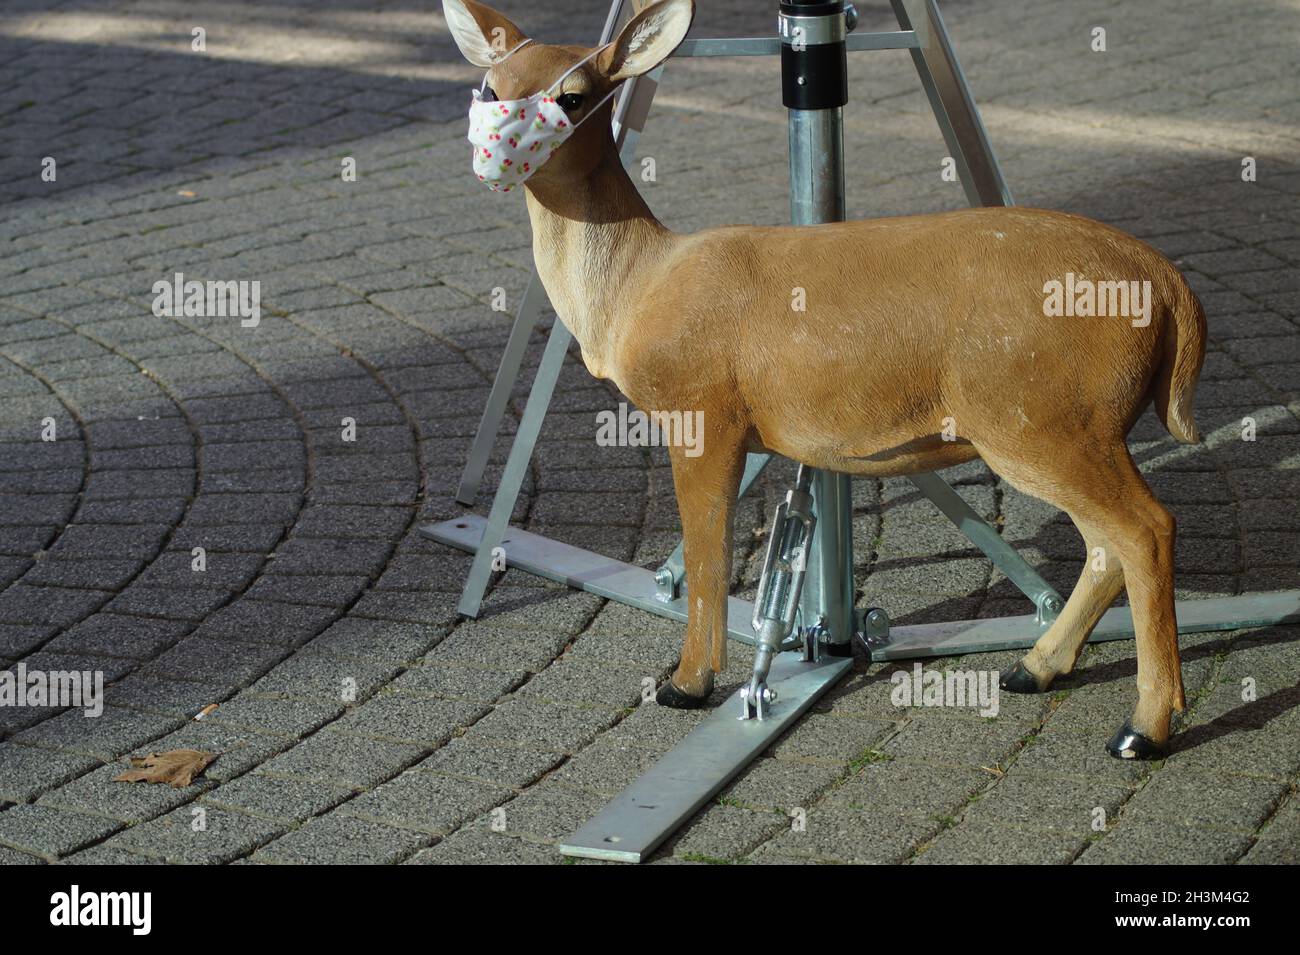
point(176, 433)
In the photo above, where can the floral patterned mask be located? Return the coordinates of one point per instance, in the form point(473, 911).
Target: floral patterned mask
point(512, 138)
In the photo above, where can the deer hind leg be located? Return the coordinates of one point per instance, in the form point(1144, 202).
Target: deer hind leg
point(1105, 491)
point(706, 488)
point(1147, 553)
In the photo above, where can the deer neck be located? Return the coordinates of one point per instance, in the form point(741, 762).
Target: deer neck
point(595, 242)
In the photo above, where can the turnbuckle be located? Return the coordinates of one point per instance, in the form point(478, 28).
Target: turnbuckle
point(784, 566)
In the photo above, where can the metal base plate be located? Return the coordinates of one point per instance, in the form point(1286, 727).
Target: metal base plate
point(1014, 633)
point(696, 769)
point(587, 571)
point(635, 586)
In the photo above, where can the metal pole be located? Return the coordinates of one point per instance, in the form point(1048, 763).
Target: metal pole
point(814, 86)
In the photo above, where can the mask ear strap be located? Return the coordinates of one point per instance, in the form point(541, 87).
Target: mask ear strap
point(509, 53)
point(590, 56)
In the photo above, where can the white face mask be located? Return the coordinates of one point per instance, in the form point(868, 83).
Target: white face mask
point(512, 138)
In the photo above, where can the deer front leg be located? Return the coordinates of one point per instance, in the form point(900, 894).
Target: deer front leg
point(706, 487)
point(1058, 649)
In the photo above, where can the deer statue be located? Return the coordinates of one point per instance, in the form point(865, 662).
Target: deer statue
point(967, 315)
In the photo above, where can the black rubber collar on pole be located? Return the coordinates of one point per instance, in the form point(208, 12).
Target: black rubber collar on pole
point(815, 76)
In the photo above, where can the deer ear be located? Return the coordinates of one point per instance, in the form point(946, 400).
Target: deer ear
point(483, 35)
point(647, 40)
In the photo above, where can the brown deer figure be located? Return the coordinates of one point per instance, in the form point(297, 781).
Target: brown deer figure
point(908, 321)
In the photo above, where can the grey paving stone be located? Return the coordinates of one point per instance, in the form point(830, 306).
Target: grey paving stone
point(237, 750)
point(377, 640)
point(435, 610)
point(1064, 806)
point(427, 802)
point(104, 855)
point(126, 486)
point(288, 800)
point(285, 717)
point(1142, 843)
point(105, 736)
point(830, 738)
point(479, 845)
point(579, 683)
point(26, 772)
point(93, 574)
point(175, 837)
point(244, 508)
point(551, 610)
point(473, 644)
point(50, 832)
point(1214, 800)
point(546, 812)
point(404, 719)
point(986, 842)
point(56, 606)
point(1237, 743)
point(196, 658)
point(476, 684)
point(334, 591)
point(1278, 843)
point(445, 572)
point(323, 556)
point(655, 651)
point(852, 835)
point(191, 604)
point(318, 677)
point(142, 691)
point(249, 621)
point(96, 793)
point(1076, 754)
point(503, 764)
point(345, 840)
point(14, 857)
point(543, 726)
point(246, 538)
point(607, 766)
point(656, 727)
point(220, 570)
point(343, 760)
point(18, 639)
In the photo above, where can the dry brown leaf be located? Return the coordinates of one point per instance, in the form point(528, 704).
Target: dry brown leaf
point(176, 767)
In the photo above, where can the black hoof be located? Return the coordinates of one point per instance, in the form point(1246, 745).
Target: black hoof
point(1019, 680)
point(1128, 743)
point(669, 695)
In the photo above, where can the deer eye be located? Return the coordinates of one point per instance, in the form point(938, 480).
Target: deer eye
point(570, 101)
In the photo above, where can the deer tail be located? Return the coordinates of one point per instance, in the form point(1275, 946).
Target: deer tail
point(1184, 355)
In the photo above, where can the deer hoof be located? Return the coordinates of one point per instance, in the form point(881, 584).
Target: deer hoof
point(669, 695)
point(1019, 680)
point(1128, 743)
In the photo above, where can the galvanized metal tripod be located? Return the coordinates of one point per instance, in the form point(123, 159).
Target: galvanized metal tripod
point(809, 571)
